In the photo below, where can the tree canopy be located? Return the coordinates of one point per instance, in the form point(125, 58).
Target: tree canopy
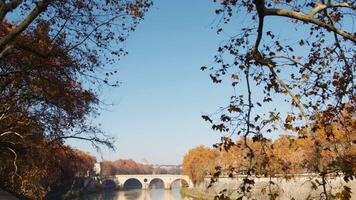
point(287, 156)
point(53, 58)
point(310, 65)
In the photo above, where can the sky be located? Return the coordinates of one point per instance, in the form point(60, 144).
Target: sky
point(157, 109)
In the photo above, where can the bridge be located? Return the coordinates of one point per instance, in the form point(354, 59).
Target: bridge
point(146, 180)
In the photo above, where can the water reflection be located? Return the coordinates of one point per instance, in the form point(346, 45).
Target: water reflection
point(138, 194)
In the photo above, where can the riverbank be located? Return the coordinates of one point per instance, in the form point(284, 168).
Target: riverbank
point(281, 188)
point(76, 190)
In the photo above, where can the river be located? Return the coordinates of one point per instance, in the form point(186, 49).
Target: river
point(138, 194)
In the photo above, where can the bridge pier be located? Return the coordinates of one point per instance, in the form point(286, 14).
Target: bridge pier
point(167, 186)
point(145, 186)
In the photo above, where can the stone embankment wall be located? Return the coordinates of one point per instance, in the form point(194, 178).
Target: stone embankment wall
point(297, 187)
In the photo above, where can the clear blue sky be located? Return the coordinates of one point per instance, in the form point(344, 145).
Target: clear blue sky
point(158, 107)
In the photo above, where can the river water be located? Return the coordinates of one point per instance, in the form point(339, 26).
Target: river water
point(139, 194)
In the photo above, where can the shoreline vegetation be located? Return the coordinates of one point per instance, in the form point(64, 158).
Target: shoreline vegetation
point(78, 191)
point(196, 194)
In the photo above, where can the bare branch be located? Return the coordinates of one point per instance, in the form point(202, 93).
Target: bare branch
point(14, 162)
point(9, 132)
point(308, 19)
point(248, 122)
point(260, 7)
point(295, 99)
point(322, 7)
point(5, 51)
point(91, 33)
point(93, 140)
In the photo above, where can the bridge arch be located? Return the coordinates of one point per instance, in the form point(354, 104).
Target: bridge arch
point(156, 180)
point(145, 179)
point(109, 184)
point(132, 183)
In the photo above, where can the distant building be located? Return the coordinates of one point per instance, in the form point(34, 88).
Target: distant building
point(97, 169)
point(167, 169)
point(144, 162)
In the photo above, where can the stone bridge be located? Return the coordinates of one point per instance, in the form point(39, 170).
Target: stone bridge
point(146, 180)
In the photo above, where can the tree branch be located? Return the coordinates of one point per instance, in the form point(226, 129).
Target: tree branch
point(260, 7)
point(35, 51)
point(5, 51)
point(308, 19)
point(93, 140)
point(13, 132)
point(7, 7)
point(15, 165)
point(248, 130)
point(295, 99)
point(41, 6)
point(322, 7)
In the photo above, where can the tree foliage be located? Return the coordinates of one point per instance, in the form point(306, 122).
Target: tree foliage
point(199, 162)
point(284, 157)
point(125, 167)
point(52, 62)
point(122, 166)
point(44, 168)
point(310, 65)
